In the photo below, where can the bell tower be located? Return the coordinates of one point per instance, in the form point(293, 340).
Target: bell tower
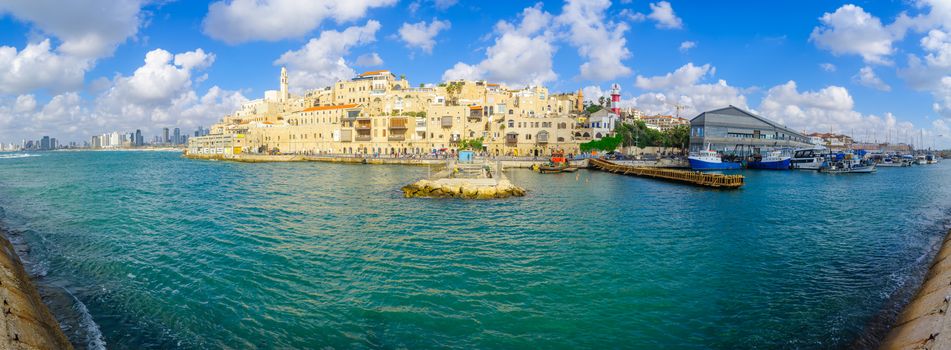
point(284, 95)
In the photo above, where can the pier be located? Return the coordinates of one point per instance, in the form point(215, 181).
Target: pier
point(676, 175)
point(466, 181)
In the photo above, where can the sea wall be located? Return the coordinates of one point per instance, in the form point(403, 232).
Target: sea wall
point(924, 323)
point(26, 323)
point(265, 158)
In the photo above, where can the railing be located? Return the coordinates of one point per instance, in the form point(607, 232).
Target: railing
point(396, 137)
point(363, 137)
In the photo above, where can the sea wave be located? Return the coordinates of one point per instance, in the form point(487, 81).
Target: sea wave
point(17, 155)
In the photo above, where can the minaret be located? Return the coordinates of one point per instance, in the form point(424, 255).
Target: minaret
point(284, 95)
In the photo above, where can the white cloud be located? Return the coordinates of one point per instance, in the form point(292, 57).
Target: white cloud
point(633, 16)
point(521, 55)
point(591, 93)
point(589, 31)
point(684, 88)
point(37, 66)
point(239, 21)
point(663, 13)
point(320, 62)
point(421, 35)
point(828, 109)
point(687, 45)
point(851, 30)
point(369, 60)
point(24, 104)
point(828, 67)
point(445, 4)
point(867, 77)
point(88, 29)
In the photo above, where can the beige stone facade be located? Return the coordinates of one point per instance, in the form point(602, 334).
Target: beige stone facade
point(380, 113)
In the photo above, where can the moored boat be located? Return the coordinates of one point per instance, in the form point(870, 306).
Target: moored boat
point(775, 160)
point(710, 160)
point(807, 159)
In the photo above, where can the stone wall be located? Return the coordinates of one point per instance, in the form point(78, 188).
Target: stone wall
point(26, 323)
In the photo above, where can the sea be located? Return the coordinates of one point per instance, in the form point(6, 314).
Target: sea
point(149, 250)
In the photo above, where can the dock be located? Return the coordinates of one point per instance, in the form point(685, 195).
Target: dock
point(683, 176)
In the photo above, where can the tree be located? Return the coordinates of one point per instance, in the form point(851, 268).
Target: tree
point(591, 107)
point(473, 144)
point(602, 101)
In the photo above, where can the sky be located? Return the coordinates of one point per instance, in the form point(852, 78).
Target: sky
point(878, 70)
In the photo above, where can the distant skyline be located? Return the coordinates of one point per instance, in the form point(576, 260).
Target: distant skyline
point(80, 68)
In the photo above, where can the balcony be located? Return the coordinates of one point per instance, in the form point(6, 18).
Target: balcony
point(446, 121)
point(397, 123)
point(541, 137)
point(346, 135)
point(511, 138)
point(396, 137)
point(363, 137)
point(362, 125)
point(455, 138)
point(475, 113)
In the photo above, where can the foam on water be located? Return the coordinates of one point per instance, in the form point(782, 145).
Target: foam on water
point(17, 155)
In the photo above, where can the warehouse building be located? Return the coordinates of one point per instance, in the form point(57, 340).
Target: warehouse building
point(727, 128)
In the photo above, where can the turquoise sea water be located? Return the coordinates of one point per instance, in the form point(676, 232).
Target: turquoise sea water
point(142, 250)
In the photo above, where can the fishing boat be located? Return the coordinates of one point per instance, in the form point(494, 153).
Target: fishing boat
point(774, 160)
point(891, 162)
point(921, 160)
point(708, 159)
point(556, 164)
point(847, 164)
point(808, 159)
point(931, 158)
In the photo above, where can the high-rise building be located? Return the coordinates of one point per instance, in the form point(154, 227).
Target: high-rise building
point(45, 143)
point(178, 136)
point(138, 138)
point(165, 138)
point(53, 144)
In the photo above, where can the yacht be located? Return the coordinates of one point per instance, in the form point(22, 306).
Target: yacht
point(808, 158)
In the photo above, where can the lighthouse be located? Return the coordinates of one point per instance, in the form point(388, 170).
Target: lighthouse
point(616, 98)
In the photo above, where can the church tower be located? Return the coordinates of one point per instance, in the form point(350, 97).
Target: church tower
point(284, 96)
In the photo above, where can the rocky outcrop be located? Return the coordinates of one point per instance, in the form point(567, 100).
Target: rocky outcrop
point(436, 189)
point(26, 323)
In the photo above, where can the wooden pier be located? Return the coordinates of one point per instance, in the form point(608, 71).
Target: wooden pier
point(683, 176)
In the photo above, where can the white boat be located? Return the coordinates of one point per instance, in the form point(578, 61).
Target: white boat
point(708, 159)
point(891, 162)
point(921, 160)
point(847, 164)
point(808, 158)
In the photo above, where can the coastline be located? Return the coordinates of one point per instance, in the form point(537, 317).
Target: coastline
point(924, 323)
point(26, 322)
point(265, 158)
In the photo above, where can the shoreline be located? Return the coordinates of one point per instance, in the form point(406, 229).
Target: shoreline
point(26, 321)
point(277, 158)
point(924, 322)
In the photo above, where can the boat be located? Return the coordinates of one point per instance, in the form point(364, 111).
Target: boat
point(847, 164)
point(921, 160)
point(808, 158)
point(931, 158)
point(775, 160)
point(557, 164)
point(891, 162)
point(708, 159)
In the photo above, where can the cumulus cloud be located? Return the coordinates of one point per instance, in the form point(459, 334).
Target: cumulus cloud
point(421, 35)
point(369, 60)
point(663, 13)
point(239, 21)
point(828, 67)
point(867, 77)
point(684, 90)
point(38, 66)
point(851, 30)
point(521, 55)
point(88, 29)
point(600, 41)
point(320, 62)
point(157, 94)
point(592, 93)
point(828, 109)
point(687, 45)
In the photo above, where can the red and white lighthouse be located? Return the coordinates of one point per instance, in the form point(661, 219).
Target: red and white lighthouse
point(616, 98)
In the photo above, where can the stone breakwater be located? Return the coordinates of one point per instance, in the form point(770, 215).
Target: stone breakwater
point(462, 188)
point(924, 323)
point(26, 323)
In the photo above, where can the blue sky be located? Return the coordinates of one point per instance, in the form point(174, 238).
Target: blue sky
point(814, 65)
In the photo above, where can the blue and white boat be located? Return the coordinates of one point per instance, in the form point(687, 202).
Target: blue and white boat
point(774, 160)
point(710, 160)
